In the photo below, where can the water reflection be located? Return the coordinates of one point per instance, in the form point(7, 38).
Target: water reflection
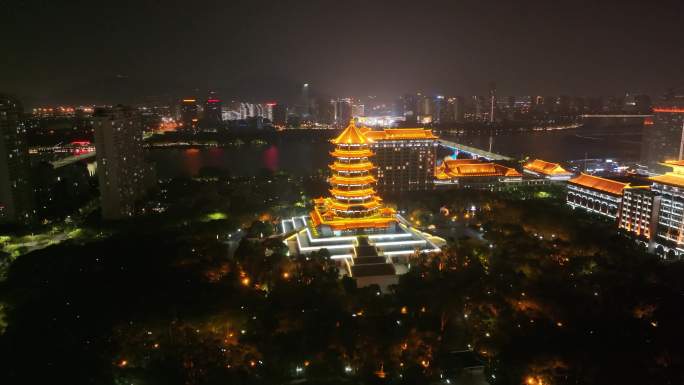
point(305, 157)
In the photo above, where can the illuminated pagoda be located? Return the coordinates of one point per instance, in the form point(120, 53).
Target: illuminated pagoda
point(370, 240)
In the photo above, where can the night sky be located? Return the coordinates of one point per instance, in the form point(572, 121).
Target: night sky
point(117, 51)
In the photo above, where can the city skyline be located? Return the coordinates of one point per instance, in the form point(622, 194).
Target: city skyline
point(141, 51)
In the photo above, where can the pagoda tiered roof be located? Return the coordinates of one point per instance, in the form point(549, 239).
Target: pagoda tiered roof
point(337, 211)
point(351, 180)
point(364, 166)
point(351, 135)
point(352, 193)
point(343, 153)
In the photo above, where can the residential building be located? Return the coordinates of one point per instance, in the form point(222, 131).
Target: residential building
point(123, 174)
point(16, 192)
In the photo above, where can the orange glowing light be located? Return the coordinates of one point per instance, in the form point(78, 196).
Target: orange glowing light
point(672, 110)
point(245, 281)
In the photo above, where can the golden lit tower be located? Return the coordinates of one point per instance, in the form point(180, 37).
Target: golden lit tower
point(353, 203)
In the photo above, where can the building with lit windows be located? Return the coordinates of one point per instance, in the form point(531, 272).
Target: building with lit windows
point(669, 235)
point(16, 192)
point(663, 134)
point(595, 194)
point(405, 158)
point(639, 213)
point(369, 239)
point(124, 176)
point(472, 173)
point(212, 113)
point(189, 114)
point(547, 170)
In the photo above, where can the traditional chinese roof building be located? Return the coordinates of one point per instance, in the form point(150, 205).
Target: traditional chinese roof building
point(670, 228)
point(473, 173)
point(547, 170)
point(353, 202)
point(371, 242)
point(595, 194)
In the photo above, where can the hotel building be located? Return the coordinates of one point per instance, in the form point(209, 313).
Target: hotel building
point(471, 173)
point(368, 239)
point(595, 194)
point(639, 213)
point(405, 158)
point(670, 228)
point(547, 170)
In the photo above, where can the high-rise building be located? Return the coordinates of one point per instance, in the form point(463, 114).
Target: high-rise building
point(16, 192)
point(409, 108)
point(123, 174)
point(664, 139)
point(343, 112)
point(280, 115)
point(456, 107)
point(405, 158)
point(212, 113)
point(189, 114)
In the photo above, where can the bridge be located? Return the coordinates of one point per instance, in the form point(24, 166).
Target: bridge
point(72, 159)
point(480, 153)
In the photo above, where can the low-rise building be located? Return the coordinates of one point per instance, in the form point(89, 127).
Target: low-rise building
point(472, 173)
point(547, 170)
point(595, 194)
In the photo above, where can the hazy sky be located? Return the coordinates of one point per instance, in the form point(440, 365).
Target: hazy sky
point(125, 51)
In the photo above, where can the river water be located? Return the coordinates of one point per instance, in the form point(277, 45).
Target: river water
point(302, 157)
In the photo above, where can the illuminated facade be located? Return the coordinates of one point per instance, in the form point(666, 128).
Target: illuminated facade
point(595, 194)
point(546, 170)
point(353, 202)
point(639, 212)
point(471, 173)
point(370, 241)
point(405, 158)
point(670, 227)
